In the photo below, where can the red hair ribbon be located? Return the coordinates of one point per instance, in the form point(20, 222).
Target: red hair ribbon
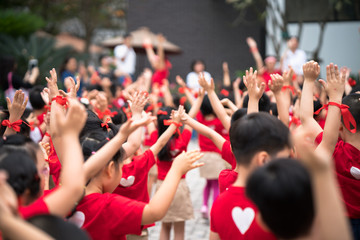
point(241, 92)
point(168, 122)
point(161, 112)
point(183, 100)
point(345, 113)
point(31, 125)
point(149, 108)
point(159, 104)
point(105, 124)
point(351, 82)
point(48, 107)
point(182, 90)
point(15, 125)
point(60, 100)
point(295, 120)
point(224, 92)
point(107, 112)
point(292, 89)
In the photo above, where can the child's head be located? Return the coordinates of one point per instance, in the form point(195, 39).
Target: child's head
point(282, 192)
point(35, 98)
point(93, 123)
point(198, 66)
point(264, 103)
point(238, 114)
point(261, 136)
point(206, 108)
point(353, 101)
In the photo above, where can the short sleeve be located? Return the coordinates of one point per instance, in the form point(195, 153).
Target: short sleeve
point(38, 207)
point(147, 159)
point(124, 215)
point(119, 51)
point(227, 154)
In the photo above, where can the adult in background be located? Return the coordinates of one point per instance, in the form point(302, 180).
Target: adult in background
point(294, 57)
point(197, 66)
point(125, 59)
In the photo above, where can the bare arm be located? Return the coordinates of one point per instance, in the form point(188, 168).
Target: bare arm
point(255, 52)
point(160, 203)
point(237, 95)
point(214, 236)
point(215, 102)
point(282, 98)
point(255, 90)
point(226, 75)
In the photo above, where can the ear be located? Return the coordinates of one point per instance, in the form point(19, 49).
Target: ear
point(261, 158)
point(109, 169)
point(261, 223)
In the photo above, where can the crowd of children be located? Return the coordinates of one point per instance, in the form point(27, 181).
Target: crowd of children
point(106, 160)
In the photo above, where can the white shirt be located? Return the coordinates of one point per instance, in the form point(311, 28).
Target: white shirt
point(296, 60)
point(128, 65)
point(192, 80)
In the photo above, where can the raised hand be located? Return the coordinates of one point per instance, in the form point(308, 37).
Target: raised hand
point(204, 84)
point(225, 67)
point(52, 84)
point(72, 87)
point(17, 107)
point(311, 70)
point(255, 89)
point(288, 75)
point(45, 95)
point(334, 85)
point(101, 101)
point(177, 115)
point(180, 81)
point(70, 123)
point(131, 125)
point(138, 102)
point(276, 84)
point(186, 161)
point(251, 42)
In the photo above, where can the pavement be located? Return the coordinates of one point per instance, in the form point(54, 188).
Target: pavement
point(197, 228)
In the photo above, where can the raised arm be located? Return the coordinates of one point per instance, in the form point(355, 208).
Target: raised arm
point(255, 90)
point(237, 93)
point(161, 52)
point(226, 75)
point(255, 52)
point(335, 87)
point(16, 110)
point(160, 203)
point(137, 106)
point(187, 92)
point(282, 98)
point(65, 137)
point(215, 102)
point(311, 72)
point(330, 209)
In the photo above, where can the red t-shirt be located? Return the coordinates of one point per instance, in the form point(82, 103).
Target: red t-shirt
point(38, 207)
point(54, 165)
point(266, 78)
point(159, 76)
point(226, 178)
point(233, 216)
point(206, 145)
point(150, 139)
point(110, 216)
point(228, 155)
point(133, 183)
point(177, 145)
point(347, 166)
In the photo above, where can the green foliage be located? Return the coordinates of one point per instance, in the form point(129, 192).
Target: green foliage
point(15, 23)
point(41, 48)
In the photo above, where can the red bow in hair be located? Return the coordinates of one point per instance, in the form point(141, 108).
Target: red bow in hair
point(224, 92)
point(107, 112)
point(168, 122)
point(15, 125)
point(161, 112)
point(149, 108)
point(345, 113)
point(31, 125)
point(292, 89)
point(159, 104)
point(105, 124)
point(183, 100)
point(60, 100)
point(352, 82)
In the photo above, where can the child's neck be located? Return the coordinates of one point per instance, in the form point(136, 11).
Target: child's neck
point(94, 186)
point(243, 174)
point(353, 139)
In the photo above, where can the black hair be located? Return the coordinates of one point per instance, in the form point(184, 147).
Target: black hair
point(353, 101)
point(206, 108)
point(281, 189)
point(273, 108)
point(257, 132)
point(119, 118)
point(35, 98)
point(264, 103)
point(164, 154)
point(93, 123)
point(22, 171)
point(65, 62)
point(7, 64)
point(238, 114)
point(317, 106)
point(196, 61)
point(127, 35)
point(57, 228)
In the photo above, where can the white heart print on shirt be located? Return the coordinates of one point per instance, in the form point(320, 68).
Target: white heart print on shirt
point(355, 172)
point(243, 218)
point(78, 219)
point(127, 182)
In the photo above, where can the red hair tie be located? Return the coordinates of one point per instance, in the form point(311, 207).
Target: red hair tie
point(168, 122)
point(292, 89)
point(105, 124)
point(182, 90)
point(161, 112)
point(241, 92)
point(149, 108)
point(183, 100)
point(224, 92)
point(15, 125)
point(352, 82)
point(31, 125)
point(60, 100)
point(345, 113)
point(107, 112)
point(295, 120)
point(159, 104)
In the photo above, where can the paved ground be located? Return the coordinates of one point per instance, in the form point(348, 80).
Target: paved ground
point(197, 228)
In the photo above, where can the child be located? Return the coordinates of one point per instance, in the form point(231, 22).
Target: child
point(101, 210)
point(255, 139)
